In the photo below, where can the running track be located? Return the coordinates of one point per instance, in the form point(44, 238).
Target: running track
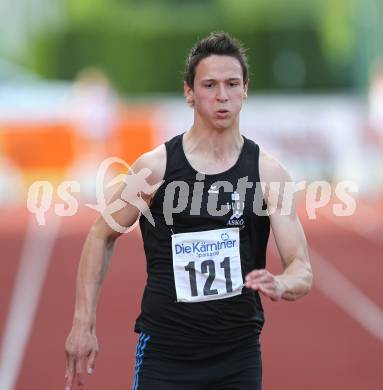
point(327, 340)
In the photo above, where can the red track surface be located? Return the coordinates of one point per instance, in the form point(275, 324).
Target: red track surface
point(308, 344)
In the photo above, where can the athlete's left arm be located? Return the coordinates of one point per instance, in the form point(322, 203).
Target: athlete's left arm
point(296, 279)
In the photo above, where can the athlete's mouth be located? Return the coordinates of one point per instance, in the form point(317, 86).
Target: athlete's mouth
point(222, 114)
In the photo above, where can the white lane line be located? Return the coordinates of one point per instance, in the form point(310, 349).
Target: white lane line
point(341, 291)
point(335, 286)
point(36, 252)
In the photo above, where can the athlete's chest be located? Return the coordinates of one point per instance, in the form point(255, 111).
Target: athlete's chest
point(211, 166)
point(221, 201)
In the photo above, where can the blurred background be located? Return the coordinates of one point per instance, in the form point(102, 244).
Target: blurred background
point(84, 80)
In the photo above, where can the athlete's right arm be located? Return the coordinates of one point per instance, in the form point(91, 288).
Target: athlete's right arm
point(81, 345)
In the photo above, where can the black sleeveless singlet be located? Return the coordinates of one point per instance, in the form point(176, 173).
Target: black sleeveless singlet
point(223, 320)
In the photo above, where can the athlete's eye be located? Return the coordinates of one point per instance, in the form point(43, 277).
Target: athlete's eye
point(209, 85)
point(233, 84)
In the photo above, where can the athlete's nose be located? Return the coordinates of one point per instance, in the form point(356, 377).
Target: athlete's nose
point(221, 94)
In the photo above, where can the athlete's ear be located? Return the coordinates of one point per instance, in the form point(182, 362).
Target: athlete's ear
point(245, 87)
point(189, 94)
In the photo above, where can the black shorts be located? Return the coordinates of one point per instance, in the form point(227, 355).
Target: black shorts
point(236, 367)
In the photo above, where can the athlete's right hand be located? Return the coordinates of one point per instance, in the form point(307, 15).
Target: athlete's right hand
point(81, 348)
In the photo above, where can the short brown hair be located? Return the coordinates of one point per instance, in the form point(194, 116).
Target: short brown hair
point(218, 43)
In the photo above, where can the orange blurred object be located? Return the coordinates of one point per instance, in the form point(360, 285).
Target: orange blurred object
point(39, 146)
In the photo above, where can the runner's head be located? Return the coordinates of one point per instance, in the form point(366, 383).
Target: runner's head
point(216, 78)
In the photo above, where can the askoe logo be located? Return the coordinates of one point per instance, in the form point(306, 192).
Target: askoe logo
point(237, 207)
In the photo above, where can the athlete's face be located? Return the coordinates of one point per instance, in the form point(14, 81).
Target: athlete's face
point(218, 90)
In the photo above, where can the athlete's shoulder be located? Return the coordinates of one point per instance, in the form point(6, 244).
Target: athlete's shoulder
point(271, 169)
point(155, 161)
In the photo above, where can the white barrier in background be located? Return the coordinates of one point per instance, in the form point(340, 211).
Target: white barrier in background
point(316, 137)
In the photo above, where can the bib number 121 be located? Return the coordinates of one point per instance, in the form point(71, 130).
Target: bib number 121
point(208, 267)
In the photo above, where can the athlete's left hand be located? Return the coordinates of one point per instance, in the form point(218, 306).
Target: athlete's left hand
point(265, 282)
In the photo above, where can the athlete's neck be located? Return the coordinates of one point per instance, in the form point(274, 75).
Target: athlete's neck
point(215, 144)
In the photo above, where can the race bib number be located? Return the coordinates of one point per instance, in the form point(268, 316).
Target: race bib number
point(207, 265)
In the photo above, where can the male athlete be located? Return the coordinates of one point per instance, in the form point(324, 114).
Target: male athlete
point(201, 311)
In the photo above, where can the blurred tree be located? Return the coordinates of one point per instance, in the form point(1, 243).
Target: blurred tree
point(142, 45)
point(369, 39)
